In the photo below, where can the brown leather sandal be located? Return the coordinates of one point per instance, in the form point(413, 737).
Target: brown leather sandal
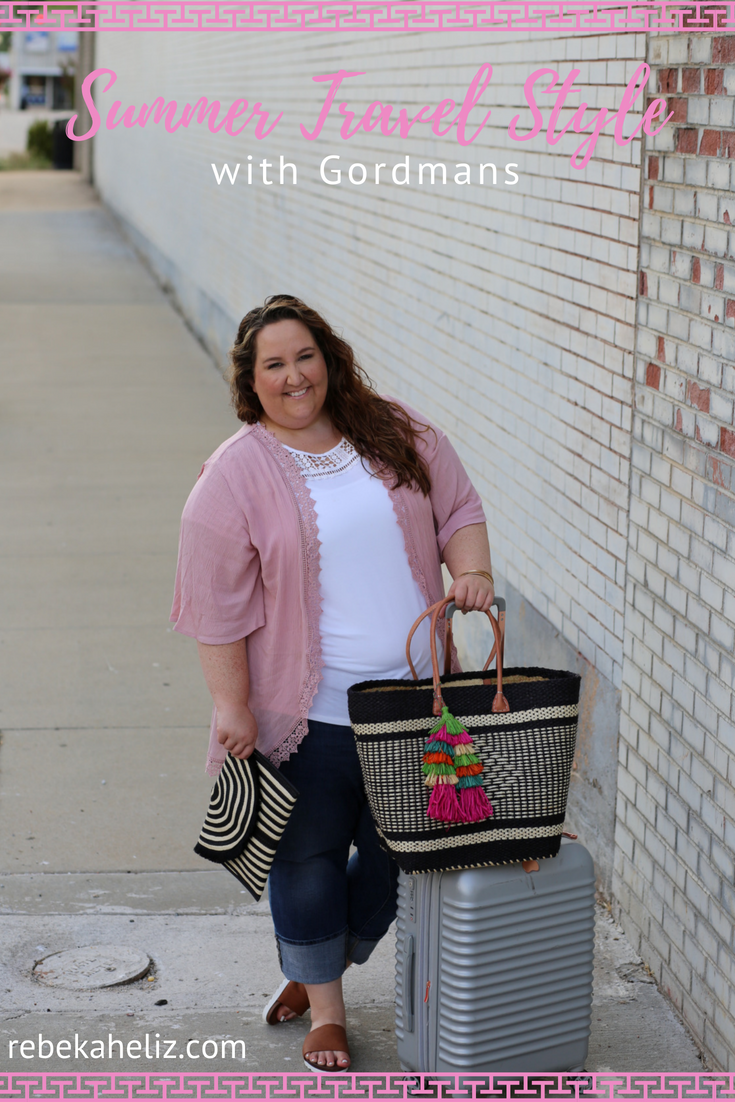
point(324, 1039)
point(290, 995)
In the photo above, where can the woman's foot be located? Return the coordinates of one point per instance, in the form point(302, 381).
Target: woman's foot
point(288, 1001)
point(331, 1049)
point(327, 1009)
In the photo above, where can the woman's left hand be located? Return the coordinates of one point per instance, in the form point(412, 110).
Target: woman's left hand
point(472, 592)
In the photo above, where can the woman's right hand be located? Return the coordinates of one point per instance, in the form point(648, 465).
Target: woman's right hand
point(237, 729)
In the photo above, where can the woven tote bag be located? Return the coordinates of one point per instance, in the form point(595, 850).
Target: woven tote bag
point(469, 769)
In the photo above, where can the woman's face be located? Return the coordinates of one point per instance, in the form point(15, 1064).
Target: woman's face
point(290, 376)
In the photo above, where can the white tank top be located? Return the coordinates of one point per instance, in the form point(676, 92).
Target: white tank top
point(370, 598)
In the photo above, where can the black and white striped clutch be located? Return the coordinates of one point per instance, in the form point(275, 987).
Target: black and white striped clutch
point(248, 811)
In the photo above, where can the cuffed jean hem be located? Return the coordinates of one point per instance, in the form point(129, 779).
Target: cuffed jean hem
point(360, 948)
point(313, 961)
point(323, 961)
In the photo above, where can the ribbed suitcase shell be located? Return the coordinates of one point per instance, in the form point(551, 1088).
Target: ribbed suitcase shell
point(494, 967)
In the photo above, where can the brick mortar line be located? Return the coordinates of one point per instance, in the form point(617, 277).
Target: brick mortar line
point(706, 450)
point(683, 617)
point(564, 252)
point(673, 853)
point(682, 372)
point(677, 858)
point(562, 398)
point(701, 918)
point(557, 250)
point(720, 904)
point(628, 604)
point(501, 385)
point(693, 220)
point(692, 317)
point(684, 313)
point(593, 567)
point(664, 692)
point(522, 219)
point(684, 344)
point(585, 359)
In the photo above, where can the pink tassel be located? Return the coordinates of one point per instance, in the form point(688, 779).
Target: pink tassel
point(444, 805)
point(475, 805)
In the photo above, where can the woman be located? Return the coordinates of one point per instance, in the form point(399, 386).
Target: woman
point(311, 542)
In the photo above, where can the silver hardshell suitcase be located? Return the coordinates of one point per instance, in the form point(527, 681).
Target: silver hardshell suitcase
point(494, 966)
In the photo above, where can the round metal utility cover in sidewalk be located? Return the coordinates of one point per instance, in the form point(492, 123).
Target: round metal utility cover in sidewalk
point(93, 966)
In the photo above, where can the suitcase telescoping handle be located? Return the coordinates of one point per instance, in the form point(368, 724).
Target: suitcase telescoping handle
point(407, 983)
point(499, 704)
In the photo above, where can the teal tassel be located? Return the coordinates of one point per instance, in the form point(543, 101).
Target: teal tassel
point(469, 782)
point(437, 747)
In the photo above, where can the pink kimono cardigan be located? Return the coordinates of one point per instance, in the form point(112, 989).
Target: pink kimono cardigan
point(249, 568)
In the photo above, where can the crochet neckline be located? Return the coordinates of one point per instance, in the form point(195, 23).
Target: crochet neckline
point(338, 459)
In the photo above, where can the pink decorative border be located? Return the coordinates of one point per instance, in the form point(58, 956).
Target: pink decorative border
point(395, 1086)
point(564, 16)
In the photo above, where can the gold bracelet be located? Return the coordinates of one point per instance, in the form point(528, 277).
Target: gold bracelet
point(482, 573)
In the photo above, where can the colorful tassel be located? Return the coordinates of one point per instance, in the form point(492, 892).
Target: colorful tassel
point(438, 768)
point(471, 782)
point(441, 775)
point(448, 778)
point(444, 805)
point(469, 770)
point(437, 759)
point(453, 773)
point(475, 805)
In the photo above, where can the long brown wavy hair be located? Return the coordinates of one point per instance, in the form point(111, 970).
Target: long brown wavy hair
point(381, 431)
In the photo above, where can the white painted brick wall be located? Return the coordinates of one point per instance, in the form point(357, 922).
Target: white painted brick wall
point(676, 790)
point(509, 317)
point(506, 314)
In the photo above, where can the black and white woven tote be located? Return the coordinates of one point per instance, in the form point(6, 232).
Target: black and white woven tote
point(526, 753)
point(249, 808)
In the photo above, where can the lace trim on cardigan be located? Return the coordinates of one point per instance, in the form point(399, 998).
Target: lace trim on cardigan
point(311, 566)
point(290, 744)
point(413, 561)
point(401, 512)
point(213, 767)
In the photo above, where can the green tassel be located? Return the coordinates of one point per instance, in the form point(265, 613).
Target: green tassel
point(454, 727)
point(437, 769)
point(467, 759)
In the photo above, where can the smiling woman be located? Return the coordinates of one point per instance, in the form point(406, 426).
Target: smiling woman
point(310, 544)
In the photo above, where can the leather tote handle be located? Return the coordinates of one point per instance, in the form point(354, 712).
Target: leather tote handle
point(450, 611)
point(500, 704)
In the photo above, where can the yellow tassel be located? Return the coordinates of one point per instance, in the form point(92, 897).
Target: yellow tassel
point(441, 778)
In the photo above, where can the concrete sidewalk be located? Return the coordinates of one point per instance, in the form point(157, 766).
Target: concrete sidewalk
point(109, 408)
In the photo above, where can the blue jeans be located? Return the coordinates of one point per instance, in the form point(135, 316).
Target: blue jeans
point(328, 907)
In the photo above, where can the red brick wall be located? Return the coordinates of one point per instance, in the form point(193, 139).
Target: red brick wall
point(676, 808)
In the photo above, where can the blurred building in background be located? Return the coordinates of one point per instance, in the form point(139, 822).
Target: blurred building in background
point(42, 67)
